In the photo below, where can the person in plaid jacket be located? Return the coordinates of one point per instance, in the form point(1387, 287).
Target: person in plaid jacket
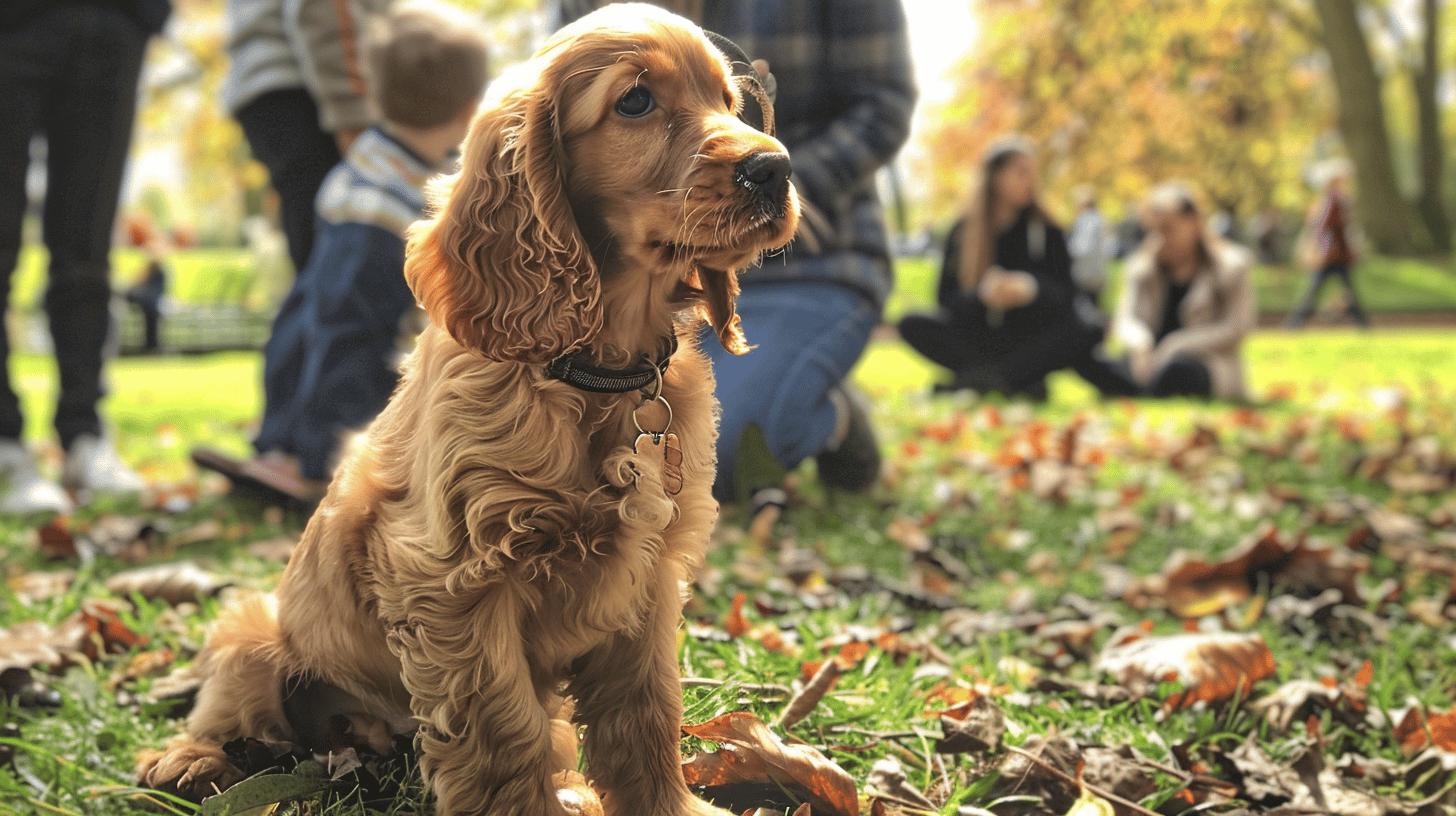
point(845, 94)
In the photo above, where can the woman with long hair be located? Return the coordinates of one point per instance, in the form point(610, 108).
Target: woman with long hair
point(1009, 311)
point(1187, 303)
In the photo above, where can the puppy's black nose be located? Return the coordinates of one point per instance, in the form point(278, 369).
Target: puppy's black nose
point(766, 174)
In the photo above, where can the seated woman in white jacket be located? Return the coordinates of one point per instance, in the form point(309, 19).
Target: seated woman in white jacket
point(1187, 304)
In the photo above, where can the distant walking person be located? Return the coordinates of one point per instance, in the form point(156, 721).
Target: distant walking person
point(1331, 243)
point(297, 88)
point(1090, 243)
point(68, 71)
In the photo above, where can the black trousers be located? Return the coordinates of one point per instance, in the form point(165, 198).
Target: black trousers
point(1180, 377)
point(68, 73)
point(1317, 283)
point(283, 132)
point(992, 352)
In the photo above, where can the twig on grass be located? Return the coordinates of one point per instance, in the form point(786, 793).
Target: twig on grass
point(753, 688)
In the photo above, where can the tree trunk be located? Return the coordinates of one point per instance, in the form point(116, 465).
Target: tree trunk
point(1389, 219)
point(1431, 150)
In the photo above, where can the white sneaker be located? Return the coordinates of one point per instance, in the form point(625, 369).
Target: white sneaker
point(23, 491)
point(93, 465)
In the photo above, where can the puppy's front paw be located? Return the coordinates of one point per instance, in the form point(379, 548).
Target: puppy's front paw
point(576, 796)
point(193, 768)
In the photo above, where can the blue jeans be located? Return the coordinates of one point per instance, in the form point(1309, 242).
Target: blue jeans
point(807, 336)
point(329, 366)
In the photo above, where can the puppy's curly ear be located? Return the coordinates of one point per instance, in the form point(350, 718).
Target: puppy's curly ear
point(502, 265)
point(719, 307)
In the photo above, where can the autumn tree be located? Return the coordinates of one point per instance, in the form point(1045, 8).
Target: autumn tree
point(1122, 93)
point(1390, 218)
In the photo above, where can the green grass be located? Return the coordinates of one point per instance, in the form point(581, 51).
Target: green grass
point(1385, 285)
point(206, 276)
point(1019, 550)
point(212, 275)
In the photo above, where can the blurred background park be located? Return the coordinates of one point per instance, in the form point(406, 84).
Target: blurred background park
point(1243, 98)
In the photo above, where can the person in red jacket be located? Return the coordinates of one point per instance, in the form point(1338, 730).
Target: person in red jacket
point(1331, 243)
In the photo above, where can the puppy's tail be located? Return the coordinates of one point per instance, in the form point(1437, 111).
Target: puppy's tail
point(243, 668)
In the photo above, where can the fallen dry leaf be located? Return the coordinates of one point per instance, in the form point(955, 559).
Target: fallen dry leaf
point(736, 624)
point(809, 696)
point(1417, 730)
point(1211, 666)
point(887, 782)
point(30, 587)
point(56, 539)
point(174, 583)
point(975, 726)
point(1297, 700)
point(1192, 587)
point(95, 630)
point(753, 757)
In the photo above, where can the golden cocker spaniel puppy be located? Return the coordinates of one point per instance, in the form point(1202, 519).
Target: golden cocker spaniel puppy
point(517, 527)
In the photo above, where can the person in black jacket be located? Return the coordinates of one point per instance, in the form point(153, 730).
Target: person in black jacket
point(1009, 313)
point(68, 70)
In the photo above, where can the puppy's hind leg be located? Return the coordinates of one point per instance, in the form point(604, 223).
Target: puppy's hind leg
point(243, 667)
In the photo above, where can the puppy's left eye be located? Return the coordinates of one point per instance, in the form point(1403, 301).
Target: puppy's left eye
point(636, 103)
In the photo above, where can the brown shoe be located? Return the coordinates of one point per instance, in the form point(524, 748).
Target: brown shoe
point(273, 476)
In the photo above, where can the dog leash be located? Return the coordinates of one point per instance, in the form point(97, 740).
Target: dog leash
point(759, 92)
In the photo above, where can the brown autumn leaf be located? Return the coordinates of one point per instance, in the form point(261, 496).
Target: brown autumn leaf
point(33, 644)
point(1417, 730)
point(106, 632)
point(1192, 587)
point(736, 624)
point(1296, 700)
point(56, 539)
point(30, 587)
point(752, 760)
point(174, 583)
point(804, 702)
point(142, 664)
point(975, 726)
point(95, 630)
point(1211, 666)
point(887, 782)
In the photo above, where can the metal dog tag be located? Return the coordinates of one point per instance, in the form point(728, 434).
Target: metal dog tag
point(672, 458)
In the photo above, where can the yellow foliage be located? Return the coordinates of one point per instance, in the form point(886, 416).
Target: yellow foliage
point(1121, 94)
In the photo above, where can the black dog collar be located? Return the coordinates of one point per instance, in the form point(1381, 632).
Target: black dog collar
point(578, 371)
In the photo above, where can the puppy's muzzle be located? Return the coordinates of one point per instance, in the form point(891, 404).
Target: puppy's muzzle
point(765, 176)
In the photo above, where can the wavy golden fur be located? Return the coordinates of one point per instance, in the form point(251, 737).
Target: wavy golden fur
point(493, 561)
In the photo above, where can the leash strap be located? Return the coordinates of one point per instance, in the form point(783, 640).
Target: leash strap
point(758, 110)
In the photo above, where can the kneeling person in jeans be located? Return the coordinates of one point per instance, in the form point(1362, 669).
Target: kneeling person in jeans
point(330, 364)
